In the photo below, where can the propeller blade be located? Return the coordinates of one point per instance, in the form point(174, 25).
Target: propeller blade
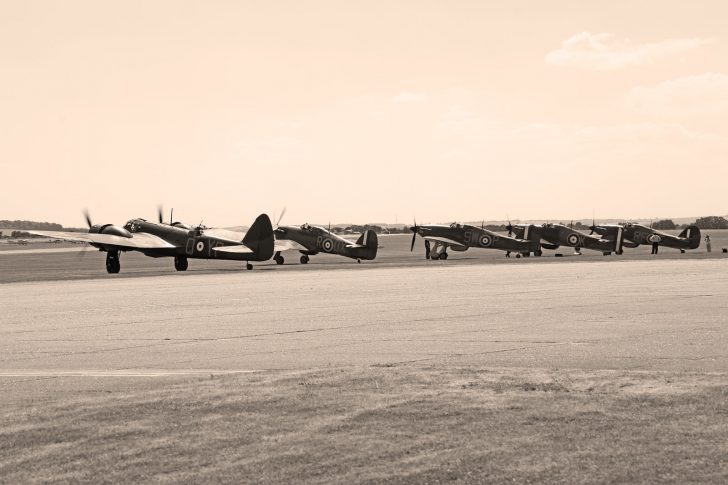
point(414, 236)
point(160, 216)
point(427, 249)
point(88, 217)
point(281, 217)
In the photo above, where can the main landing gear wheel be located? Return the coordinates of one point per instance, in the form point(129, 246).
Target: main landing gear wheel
point(518, 255)
point(537, 253)
point(278, 258)
point(443, 256)
point(180, 263)
point(113, 265)
point(304, 259)
point(249, 267)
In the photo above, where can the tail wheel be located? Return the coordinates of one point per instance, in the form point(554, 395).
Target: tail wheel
point(249, 267)
point(304, 259)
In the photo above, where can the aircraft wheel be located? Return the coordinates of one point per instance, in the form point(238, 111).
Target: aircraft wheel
point(249, 267)
point(606, 253)
point(279, 259)
point(518, 255)
point(435, 257)
point(537, 253)
point(358, 261)
point(443, 256)
point(113, 265)
point(619, 252)
point(682, 251)
point(180, 263)
point(304, 259)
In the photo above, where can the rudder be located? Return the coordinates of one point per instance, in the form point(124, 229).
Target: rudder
point(692, 234)
point(370, 241)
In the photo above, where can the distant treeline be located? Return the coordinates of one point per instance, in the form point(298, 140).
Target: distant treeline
point(31, 225)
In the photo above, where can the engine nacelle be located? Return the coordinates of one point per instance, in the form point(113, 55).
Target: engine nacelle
point(111, 230)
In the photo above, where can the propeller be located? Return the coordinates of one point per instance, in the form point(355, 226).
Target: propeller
point(414, 229)
point(593, 227)
point(482, 225)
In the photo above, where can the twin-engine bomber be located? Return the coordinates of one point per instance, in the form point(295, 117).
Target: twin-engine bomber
point(172, 240)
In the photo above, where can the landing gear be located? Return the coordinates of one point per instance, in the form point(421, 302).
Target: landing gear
point(358, 261)
point(113, 265)
point(682, 251)
point(304, 259)
point(278, 258)
point(249, 267)
point(427, 249)
point(606, 253)
point(443, 256)
point(518, 255)
point(537, 253)
point(180, 263)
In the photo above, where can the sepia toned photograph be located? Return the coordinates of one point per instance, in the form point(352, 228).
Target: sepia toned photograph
point(363, 242)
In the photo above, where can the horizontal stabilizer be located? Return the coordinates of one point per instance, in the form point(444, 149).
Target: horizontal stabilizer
point(236, 249)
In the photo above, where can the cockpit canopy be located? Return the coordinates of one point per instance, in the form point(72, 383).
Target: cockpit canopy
point(455, 225)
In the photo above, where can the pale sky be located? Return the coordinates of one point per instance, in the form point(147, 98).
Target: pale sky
point(369, 111)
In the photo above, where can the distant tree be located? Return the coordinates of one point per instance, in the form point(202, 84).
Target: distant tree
point(664, 224)
point(712, 222)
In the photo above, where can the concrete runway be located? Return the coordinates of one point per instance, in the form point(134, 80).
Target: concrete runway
point(649, 315)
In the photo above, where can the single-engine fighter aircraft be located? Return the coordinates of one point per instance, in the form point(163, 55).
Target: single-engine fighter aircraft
point(310, 240)
point(555, 235)
point(169, 240)
point(461, 237)
point(635, 234)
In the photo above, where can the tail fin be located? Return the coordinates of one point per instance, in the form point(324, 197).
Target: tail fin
point(616, 234)
point(533, 234)
point(692, 233)
point(260, 239)
point(368, 239)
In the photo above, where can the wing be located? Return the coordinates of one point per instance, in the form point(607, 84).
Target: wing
point(139, 240)
point(444, 240)
point(288, 245)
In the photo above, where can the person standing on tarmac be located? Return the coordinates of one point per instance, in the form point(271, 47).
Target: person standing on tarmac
point(708, 245)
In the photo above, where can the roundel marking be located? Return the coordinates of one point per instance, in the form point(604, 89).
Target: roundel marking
point(200, 246)
point(654, 238)
point(485, 240)
point(572, 239)
point(328, 245)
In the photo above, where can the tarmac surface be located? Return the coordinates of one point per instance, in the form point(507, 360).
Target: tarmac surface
point(637, 315)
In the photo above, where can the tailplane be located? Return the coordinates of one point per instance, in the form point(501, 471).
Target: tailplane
point(259, 238)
